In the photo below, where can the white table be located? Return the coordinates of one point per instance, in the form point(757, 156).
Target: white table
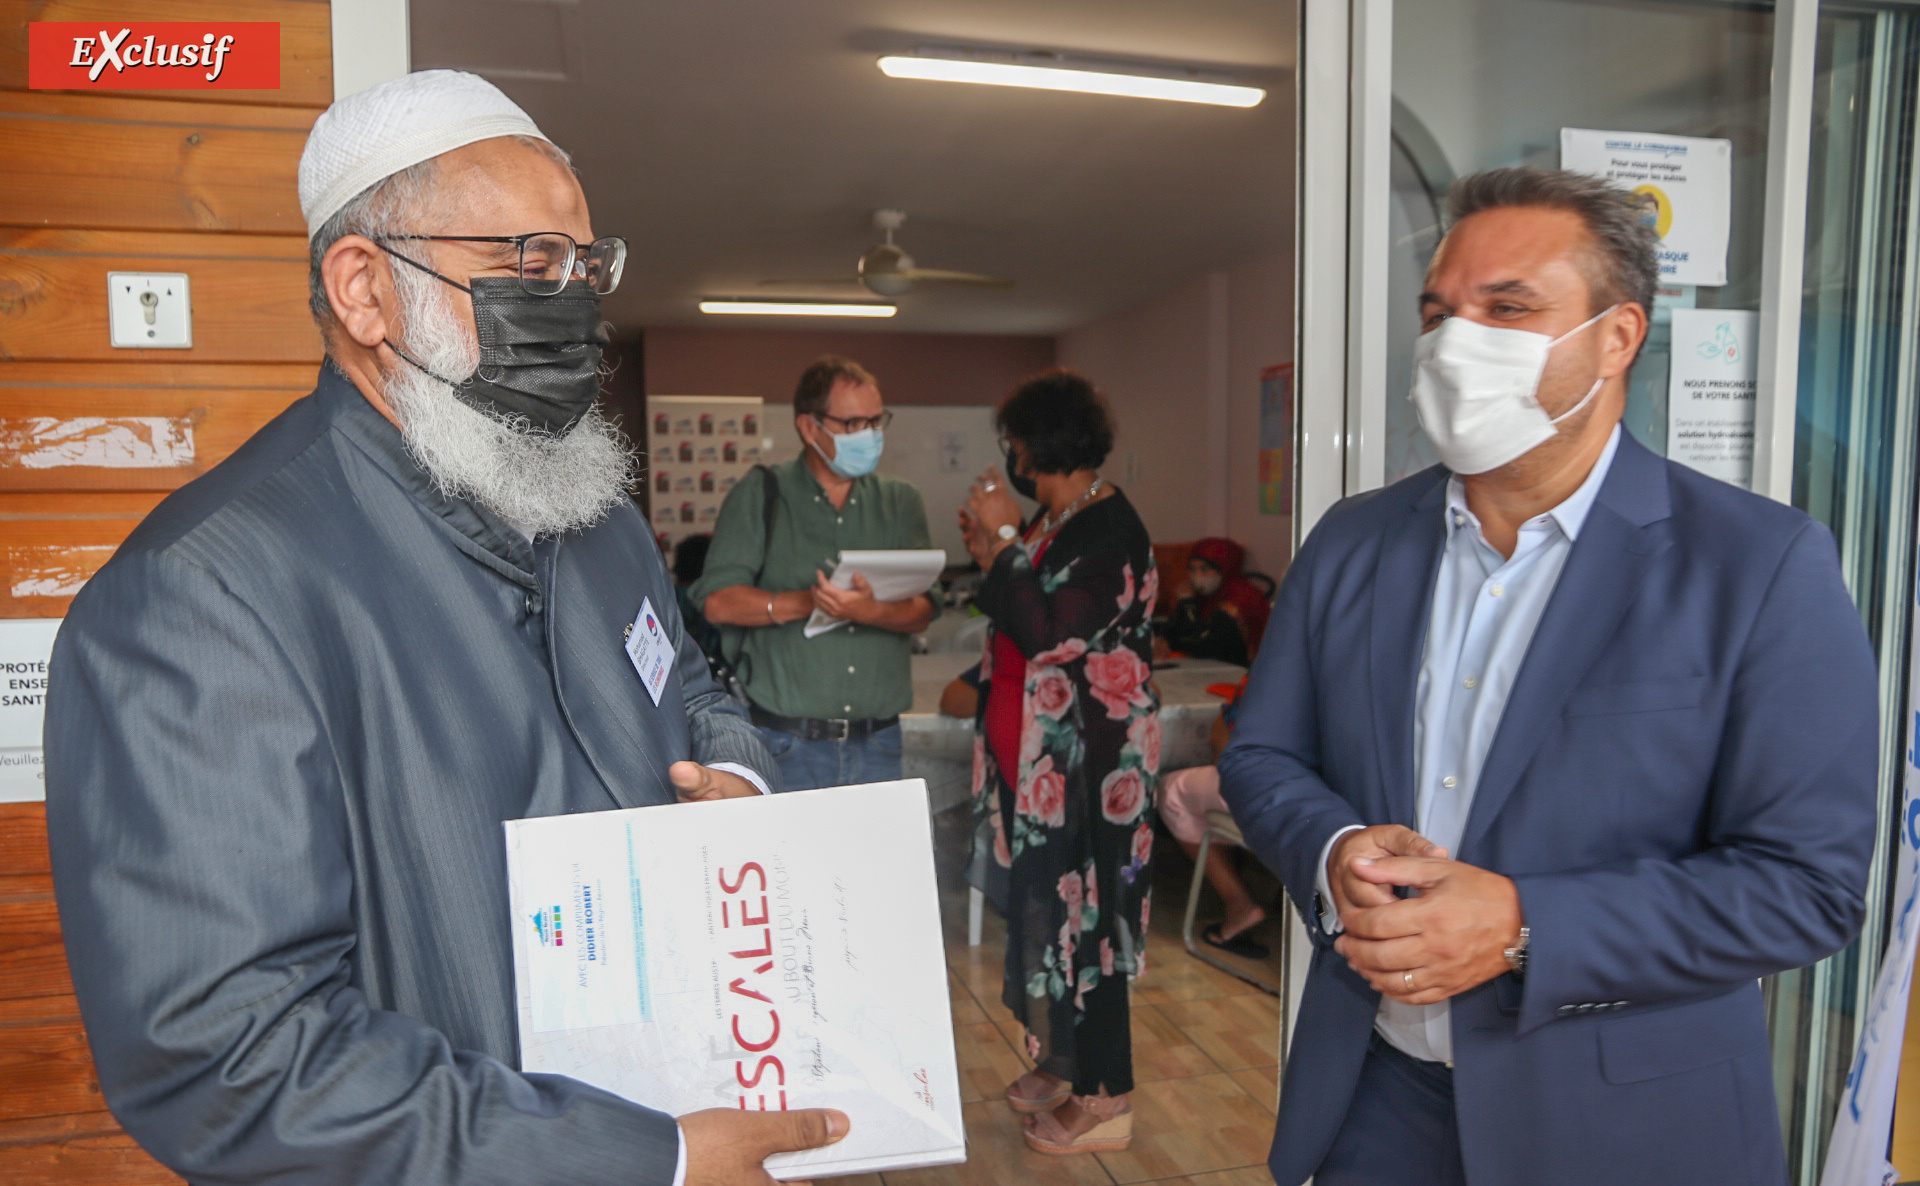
point(940, 748)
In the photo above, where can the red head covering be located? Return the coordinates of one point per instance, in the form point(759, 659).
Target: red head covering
point(1236, 595)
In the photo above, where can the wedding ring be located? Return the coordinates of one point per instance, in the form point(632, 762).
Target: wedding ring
point(1407, 977)
point(989, 486)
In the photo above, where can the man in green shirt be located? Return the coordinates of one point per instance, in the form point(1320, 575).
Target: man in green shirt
point(828, 707)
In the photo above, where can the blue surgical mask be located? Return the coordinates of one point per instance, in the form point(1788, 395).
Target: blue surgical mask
point(856, 453)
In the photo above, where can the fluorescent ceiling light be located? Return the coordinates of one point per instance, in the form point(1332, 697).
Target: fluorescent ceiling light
point(1049, 72)
point(801, 308)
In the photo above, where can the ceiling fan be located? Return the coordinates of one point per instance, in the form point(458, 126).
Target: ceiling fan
point(889, 271)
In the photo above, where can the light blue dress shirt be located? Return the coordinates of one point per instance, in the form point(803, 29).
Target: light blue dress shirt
point(1485, 609)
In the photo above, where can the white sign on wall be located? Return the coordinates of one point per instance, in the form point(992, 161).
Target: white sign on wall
point(26, 645)
point(1685, 183)
point(1710, 394)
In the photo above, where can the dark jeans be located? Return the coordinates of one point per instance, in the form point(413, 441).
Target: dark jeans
point(1399, 1129)
point(805, 765)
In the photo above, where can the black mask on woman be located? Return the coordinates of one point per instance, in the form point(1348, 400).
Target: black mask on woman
point(1022, 485)
point(539, 355)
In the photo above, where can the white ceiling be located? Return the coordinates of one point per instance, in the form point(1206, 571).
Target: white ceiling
point(735, 140)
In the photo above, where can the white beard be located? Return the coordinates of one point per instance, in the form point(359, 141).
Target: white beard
point(541, 484)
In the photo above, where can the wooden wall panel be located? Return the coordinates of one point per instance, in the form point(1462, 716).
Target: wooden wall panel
point(92, 438)
point(23, 844)
point(97, 161)
point(249, 295)
point(30, 948)
point(83, 428)
point(45, 1071)
point(306, 42)
point(108, 1158)
point(44, 562)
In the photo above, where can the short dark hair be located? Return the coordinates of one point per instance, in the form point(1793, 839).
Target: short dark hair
point(815, 388)
point(1625, 266)
point(1060, 420)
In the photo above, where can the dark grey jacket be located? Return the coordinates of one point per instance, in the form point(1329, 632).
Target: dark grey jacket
point(284, 725)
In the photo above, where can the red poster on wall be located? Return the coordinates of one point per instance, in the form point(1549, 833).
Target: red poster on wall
point(1276, 440)
point(153, 55)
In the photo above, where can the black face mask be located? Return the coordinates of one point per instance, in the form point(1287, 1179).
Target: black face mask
point(1022, 485)
point(539, 355)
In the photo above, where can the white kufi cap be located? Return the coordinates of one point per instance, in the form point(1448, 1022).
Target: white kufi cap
point(369, 136)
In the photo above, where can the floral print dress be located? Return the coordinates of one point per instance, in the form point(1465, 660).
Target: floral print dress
point(1072, 826)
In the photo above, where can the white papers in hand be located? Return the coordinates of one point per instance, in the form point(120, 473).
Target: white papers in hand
point(894, 575)
point(750, 953)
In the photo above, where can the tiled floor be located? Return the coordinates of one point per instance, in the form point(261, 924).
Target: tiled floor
point(1205, 1050)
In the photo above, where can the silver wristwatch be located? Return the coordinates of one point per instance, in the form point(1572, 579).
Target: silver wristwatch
point(1007, 531)
point(1517, 954)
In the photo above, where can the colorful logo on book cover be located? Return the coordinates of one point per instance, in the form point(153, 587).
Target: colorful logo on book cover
point(547, 922)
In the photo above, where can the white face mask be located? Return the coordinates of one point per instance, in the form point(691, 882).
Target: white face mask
point(1474, 386)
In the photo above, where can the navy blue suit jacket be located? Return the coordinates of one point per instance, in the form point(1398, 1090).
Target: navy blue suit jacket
point(1682, 787)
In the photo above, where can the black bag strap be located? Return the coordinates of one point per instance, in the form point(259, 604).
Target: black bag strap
point(770, 502)
point(733, 639)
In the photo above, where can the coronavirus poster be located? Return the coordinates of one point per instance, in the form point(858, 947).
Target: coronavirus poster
point(1684, 185)
point(1710, 392)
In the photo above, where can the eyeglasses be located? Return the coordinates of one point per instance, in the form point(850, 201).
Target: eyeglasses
point(549, 259)
point(857, 423)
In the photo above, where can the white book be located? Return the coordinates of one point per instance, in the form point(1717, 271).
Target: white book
point(894, 575)
point(764, 953)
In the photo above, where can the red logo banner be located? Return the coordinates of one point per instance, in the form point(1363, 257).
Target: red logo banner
point(153, 55)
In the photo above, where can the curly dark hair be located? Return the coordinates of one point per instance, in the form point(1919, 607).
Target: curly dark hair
point(1060, 420)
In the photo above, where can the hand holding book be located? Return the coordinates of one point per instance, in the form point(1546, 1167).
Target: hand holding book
point(694, 783)
point(727, 1147)
point(761, 957)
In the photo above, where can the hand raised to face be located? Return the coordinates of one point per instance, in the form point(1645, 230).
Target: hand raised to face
point(991, 504)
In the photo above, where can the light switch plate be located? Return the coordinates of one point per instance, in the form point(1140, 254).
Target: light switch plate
point(132, 296)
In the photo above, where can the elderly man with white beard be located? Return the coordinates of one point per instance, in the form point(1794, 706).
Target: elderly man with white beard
point(287, 720)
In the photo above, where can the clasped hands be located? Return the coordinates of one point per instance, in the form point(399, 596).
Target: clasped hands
point(1452, 937)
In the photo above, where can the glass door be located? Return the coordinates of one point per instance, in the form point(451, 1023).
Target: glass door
point(1854, 442)
point(1480, 84)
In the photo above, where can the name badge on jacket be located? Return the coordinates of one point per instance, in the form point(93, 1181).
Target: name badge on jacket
point(650, 651)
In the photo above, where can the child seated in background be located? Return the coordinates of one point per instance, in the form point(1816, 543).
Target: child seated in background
point(1220, 614)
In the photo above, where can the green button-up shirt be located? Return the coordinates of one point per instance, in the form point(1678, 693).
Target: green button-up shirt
point(854, 671)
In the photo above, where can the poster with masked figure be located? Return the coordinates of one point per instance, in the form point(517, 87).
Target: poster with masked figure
point(1684, 185)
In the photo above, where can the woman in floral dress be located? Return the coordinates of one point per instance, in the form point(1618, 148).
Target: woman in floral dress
point(1066, 753)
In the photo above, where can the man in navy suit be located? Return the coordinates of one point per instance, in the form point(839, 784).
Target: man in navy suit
point(1559, 746)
